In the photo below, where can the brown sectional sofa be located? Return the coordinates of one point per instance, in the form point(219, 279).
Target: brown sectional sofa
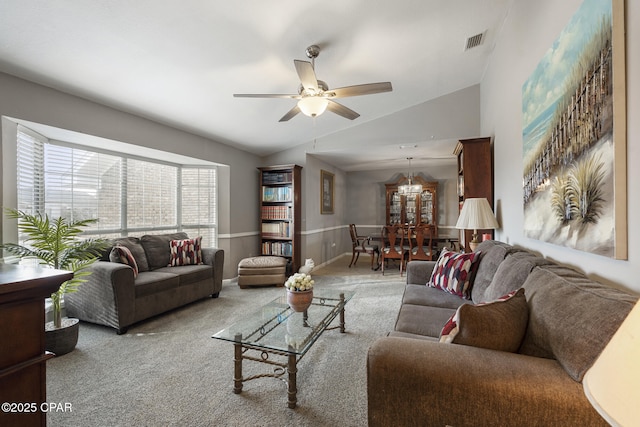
point(413, 379)
point(113, 297)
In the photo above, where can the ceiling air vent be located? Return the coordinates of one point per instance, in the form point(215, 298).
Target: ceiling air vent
point(474, 41)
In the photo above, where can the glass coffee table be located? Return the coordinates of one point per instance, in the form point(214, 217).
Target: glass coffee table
point(276, 330)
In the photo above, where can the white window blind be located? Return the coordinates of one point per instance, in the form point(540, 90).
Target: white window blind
point(198, 202)
point(30, 164)
point(152, 194)
point(81, 184)
point(129, 196)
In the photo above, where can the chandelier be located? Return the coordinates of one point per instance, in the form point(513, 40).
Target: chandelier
point(409, 189)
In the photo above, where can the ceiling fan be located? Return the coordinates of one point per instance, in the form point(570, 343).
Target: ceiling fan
point(314, 96)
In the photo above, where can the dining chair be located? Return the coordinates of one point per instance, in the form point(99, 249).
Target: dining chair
point(421, 243)
point(393, 241)
point(362, 244)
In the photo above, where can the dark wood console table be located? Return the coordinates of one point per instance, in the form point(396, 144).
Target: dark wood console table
point(22, 356)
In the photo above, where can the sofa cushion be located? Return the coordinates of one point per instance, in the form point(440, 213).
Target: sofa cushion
point(413, 336)
point(157, 248)
point(123, 255)
point(185, 252)
point(136, 249)
point(152, 282)
point(453, 273)
point(425, 295)
point(497, 325)
point(511, 274)
point(492, 253)
point(264, 262)
point(422, 320)
point(571, 318)
point(189, 274)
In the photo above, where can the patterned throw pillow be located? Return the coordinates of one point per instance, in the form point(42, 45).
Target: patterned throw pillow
point(185, 252)
point(453, 273)
point(497, 325)
point(123, 255)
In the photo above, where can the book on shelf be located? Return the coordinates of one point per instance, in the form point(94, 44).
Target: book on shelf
point(277, 248)
point(276, 229)
point(276, 177)
point(276, 212)
point(276, 194)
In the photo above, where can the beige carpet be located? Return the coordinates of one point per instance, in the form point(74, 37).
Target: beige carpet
point(168, 371)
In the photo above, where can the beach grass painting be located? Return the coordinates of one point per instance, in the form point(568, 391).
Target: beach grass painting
point(574, 148)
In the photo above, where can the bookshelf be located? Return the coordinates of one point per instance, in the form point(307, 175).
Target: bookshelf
point(475, 177)
point(280, 213)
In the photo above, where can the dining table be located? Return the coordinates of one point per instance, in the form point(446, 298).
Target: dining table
point(439, 242)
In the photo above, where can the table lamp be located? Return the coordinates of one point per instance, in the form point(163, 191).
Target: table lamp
point(476, 214)
point(612, 384)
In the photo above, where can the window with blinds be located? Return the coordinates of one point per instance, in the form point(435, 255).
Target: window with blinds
point(129, 196)
point(198, 202)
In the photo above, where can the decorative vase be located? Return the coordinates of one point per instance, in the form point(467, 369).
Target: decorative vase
point(299, 300)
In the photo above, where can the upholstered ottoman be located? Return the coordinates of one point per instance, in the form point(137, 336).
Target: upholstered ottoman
point(262, 271)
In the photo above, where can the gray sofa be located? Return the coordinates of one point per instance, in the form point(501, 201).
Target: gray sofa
point(413, 379)
point(113, 297)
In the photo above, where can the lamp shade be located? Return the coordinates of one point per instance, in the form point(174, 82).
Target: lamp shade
point(313, 106)
point(612, 385)
point(476, 214)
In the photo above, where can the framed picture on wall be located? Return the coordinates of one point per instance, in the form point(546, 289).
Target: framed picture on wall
point(574, 136)
point(326, 192)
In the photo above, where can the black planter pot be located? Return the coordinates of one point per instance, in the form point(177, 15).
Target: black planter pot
point(61, 340)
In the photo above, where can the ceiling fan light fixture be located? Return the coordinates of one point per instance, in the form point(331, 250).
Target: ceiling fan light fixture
point(313, 106)
point(314, 95)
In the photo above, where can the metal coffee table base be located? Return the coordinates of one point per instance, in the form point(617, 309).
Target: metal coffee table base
point(290, 367)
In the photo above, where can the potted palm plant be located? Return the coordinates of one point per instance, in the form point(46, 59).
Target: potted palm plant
point(55, 243)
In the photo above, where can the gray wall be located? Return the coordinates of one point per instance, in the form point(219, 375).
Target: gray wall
point(529, 30)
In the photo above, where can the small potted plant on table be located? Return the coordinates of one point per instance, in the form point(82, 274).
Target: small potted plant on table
point(299, 291)
point(56, 244)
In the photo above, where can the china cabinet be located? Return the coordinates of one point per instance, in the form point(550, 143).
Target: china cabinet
point(421, 208)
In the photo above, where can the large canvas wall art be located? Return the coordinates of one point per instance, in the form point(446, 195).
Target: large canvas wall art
point(574, 136)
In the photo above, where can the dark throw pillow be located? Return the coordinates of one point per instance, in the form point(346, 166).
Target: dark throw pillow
point(185, 252)
point(453, 273)
point(123, 255)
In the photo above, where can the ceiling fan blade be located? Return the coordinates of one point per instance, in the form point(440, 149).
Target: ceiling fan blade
point(341, 110)
point(365, 89)
point(265, 95)
point(290, 114)
point(307, 75)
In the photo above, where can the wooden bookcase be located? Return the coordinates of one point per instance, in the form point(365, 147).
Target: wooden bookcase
point(475, 177)
point(280, 213)
point(421, 209)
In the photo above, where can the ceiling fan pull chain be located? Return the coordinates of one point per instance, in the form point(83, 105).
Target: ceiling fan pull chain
point(315, 133)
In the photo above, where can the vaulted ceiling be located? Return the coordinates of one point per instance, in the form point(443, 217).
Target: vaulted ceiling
point(180, 62)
